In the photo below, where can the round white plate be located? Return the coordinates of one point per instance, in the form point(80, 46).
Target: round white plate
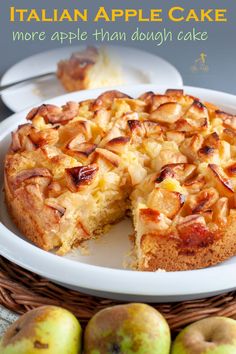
point(139, 67)
point(101, 272)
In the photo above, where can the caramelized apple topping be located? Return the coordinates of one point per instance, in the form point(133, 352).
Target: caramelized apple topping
point(229, 135)
point(167, 113)
point(136, 127)
point(179, 171)
point(231, 170)
point(78, 177)
point(191, 146)
point(106, 99)
point(146, 97)
point(175, 136)
point(35, 172)
point(53, 114)
point(221, 180)
point(117, 145)
point(54, 189)
point(166, 202)
point(195, 184)
point(109, 156)
point(221, 211)
point(44, 137)
point(203, 200)
point(154, 220)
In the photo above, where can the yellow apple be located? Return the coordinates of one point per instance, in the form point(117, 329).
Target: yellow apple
point(127, 329)
point(213, 335)
point(45, 330)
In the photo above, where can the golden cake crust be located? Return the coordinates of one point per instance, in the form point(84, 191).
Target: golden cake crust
point(170, 159)
point(174, 254)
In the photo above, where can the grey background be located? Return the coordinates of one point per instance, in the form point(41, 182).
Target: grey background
point(220, 47)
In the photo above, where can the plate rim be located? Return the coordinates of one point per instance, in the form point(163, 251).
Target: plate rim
point(121, 281)
point(4, 80)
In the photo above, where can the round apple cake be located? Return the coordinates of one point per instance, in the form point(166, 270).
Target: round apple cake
point(168, 160)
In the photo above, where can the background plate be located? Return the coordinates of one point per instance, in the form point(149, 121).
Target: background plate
point(139, 67)
point(102, 273)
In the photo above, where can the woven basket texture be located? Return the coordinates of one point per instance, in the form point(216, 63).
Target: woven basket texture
point(21, 290)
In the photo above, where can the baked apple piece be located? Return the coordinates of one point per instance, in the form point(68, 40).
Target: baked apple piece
point(166, 202)
point(167, 113)
point(221, 181)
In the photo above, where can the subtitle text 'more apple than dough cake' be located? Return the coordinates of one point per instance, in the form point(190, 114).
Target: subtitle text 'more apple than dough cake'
point(168, 159)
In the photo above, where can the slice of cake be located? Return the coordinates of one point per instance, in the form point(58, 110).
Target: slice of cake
point(88, 69)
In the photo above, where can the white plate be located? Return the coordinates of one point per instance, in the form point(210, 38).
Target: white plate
point(139, 67)
point(102, 271)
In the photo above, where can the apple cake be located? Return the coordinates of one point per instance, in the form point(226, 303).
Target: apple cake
point(168, 160)
point(88, 69)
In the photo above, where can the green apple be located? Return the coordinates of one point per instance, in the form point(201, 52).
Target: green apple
point(213, 335)
point(127, 329)
point(45, 330)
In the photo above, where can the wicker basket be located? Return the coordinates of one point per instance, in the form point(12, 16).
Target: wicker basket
point(21, 290)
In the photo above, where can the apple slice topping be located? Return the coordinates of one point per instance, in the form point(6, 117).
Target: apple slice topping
point(53, 114)
point(229, 120)
point(144, 128)
point(21, 140)
point(35, 172)
point(221, 211)
point(166, 157)
point(179, 171)
point(168, 112)
point(147, 97)
point(231, 170)
point(82, 151)
point(221, 181)
point(196, 111)
point(106, 99)
point(54, 189)
point(152, 128)
point(166, 202)
point(76, 141)
point(118, 145)
point(16, 143)
point(191, 125)
point(229, 135)
point(44, 137)
point(191, 146)
point(153, 220)
point(137, 173)
point(157, 100)
point(203, 200)
point(81, 176)
point(195, 184)
point(85, 149)
point(47, 111)
point(136, 127)
point(109, 156)
point(212, 140)
point(102, 118)
point(210, 147)
point(175, 136)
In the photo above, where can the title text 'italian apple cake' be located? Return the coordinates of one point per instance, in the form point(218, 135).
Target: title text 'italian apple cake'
point(167, 158)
